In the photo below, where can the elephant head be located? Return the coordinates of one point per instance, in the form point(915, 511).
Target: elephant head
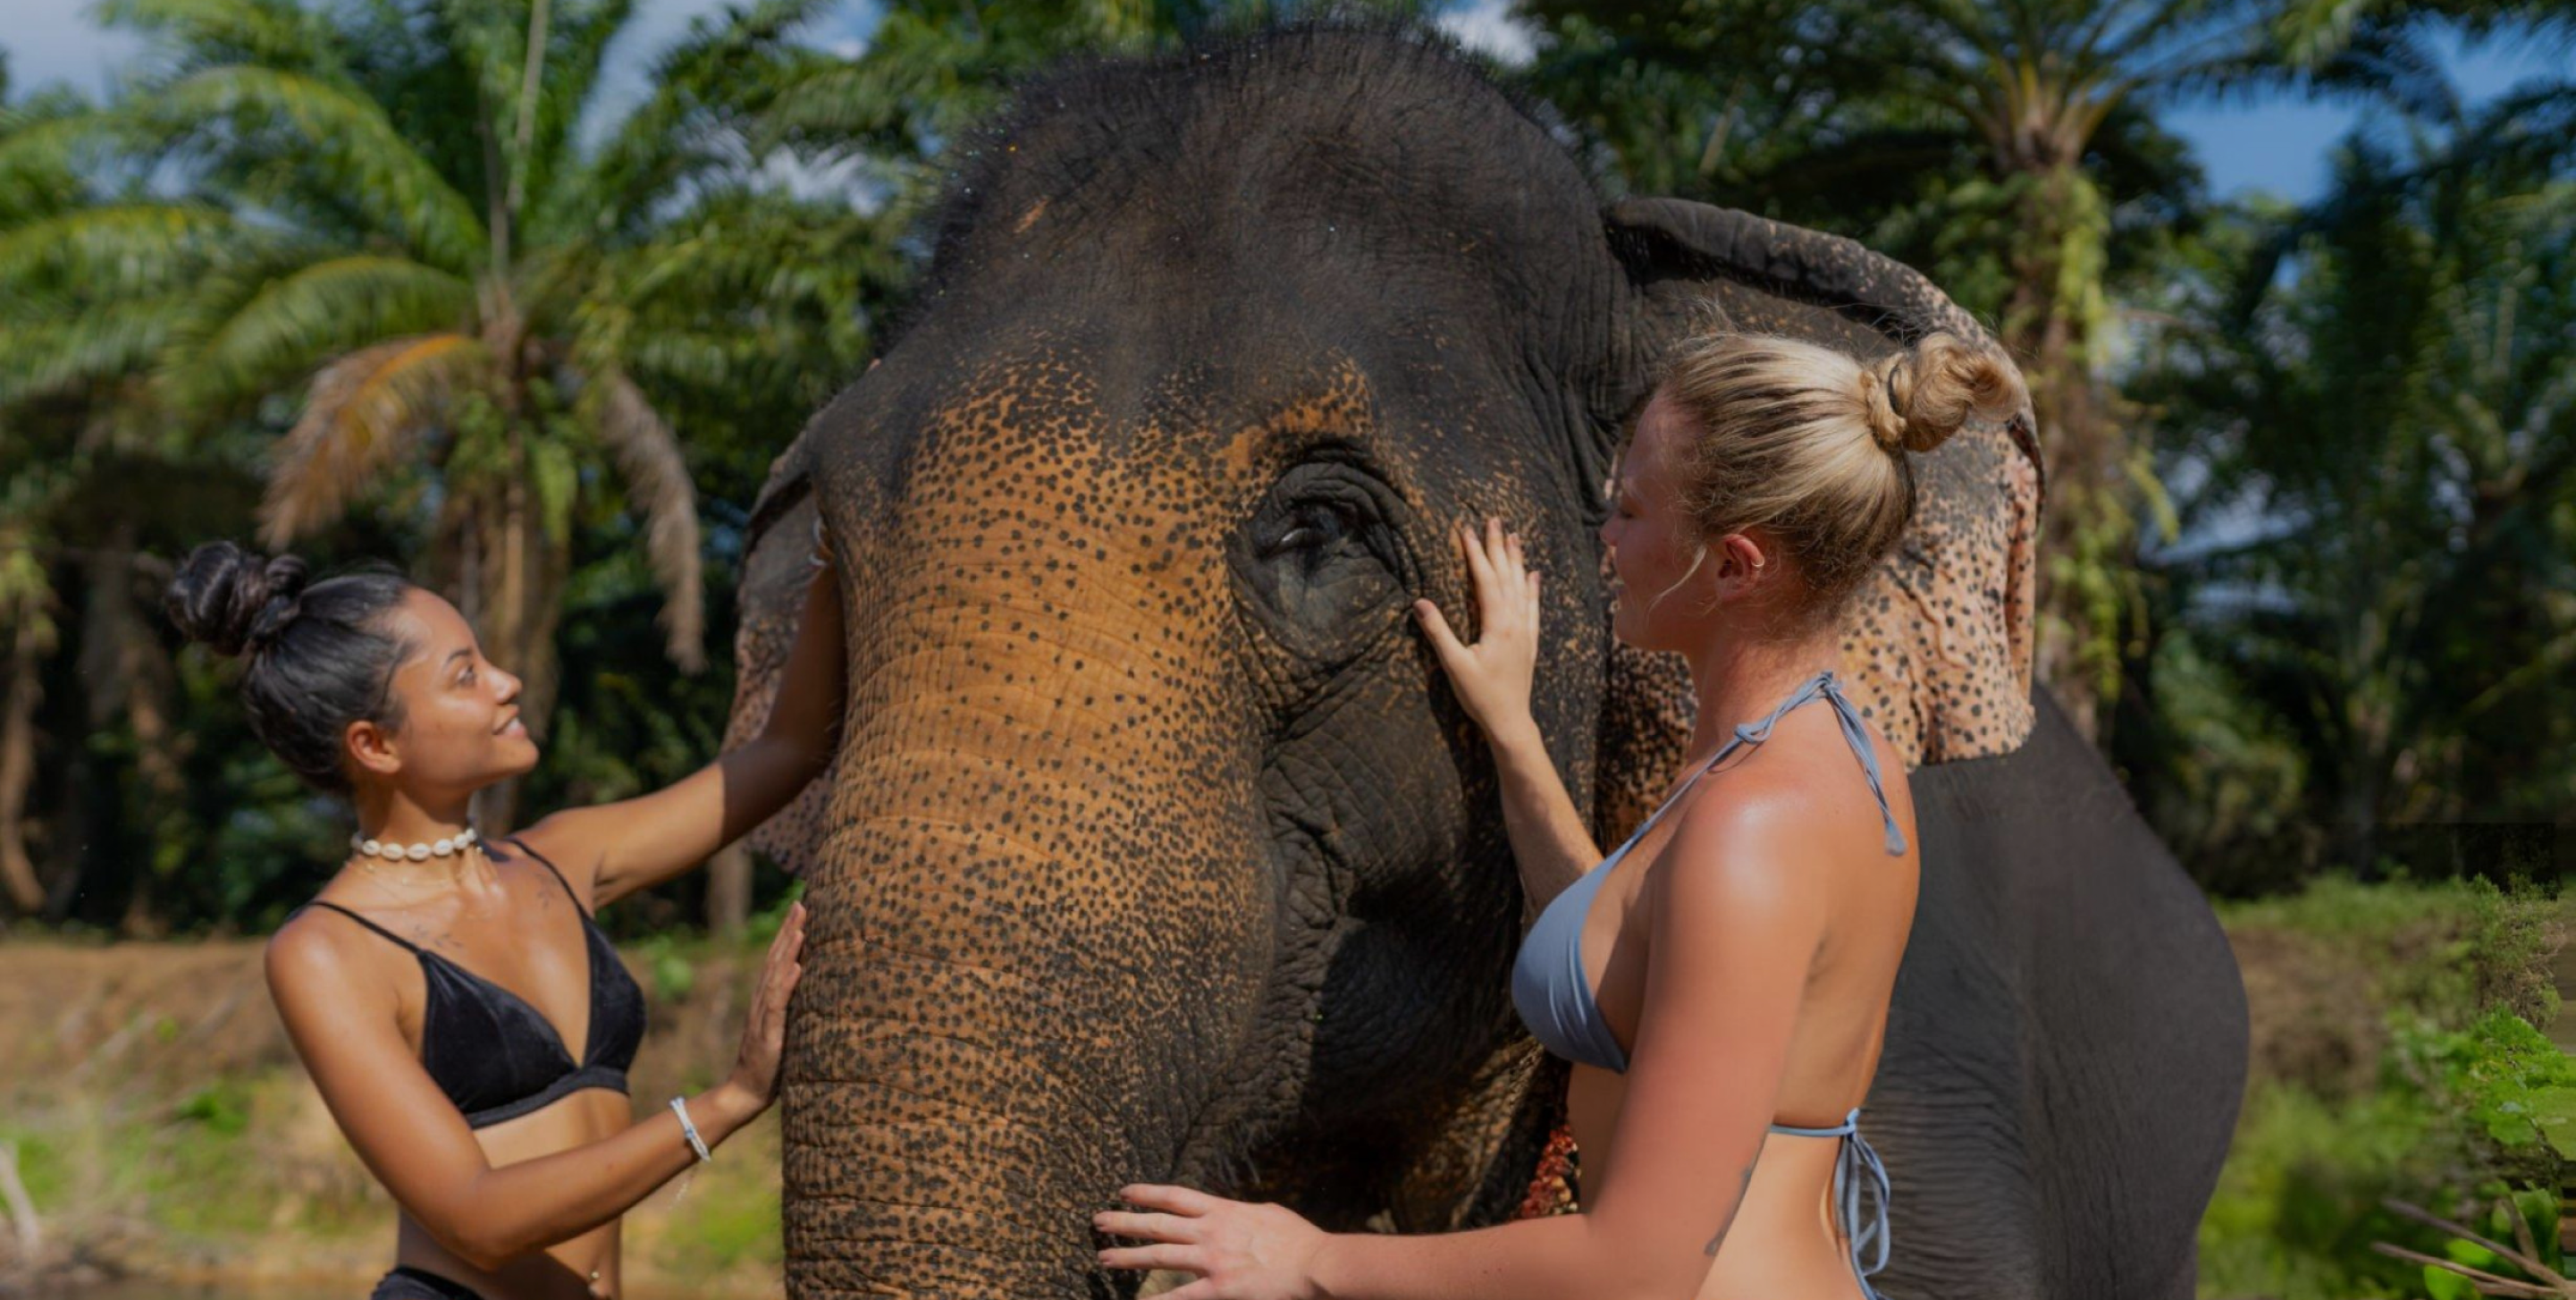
point(1155, 848)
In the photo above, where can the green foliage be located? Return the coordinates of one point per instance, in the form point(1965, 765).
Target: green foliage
point(2443, 951)
point(672, 975)
point(319, 185)
point(221, 1107)
point(2537, 1211)
point(729, 1228)
point(2463, 1104)
point(2514, 1088)
point(2375, 403)
point(2297, 1205)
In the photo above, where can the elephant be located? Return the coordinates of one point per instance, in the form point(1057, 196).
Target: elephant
point(1156, 848)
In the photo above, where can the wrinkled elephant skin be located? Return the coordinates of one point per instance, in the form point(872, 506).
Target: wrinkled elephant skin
point(1157, 849)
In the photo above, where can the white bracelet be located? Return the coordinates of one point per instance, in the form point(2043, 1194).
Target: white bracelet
point(690, 1130)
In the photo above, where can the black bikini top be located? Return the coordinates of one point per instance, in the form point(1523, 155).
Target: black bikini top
point(496, 1056)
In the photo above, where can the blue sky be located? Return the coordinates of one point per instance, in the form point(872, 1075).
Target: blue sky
point(2280, 145)
point(2283, 144)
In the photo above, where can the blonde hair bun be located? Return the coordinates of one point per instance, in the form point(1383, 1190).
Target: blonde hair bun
point(1916, 398)
point(1803, 439)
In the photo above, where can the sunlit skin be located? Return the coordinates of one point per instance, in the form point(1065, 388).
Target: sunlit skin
point(1743, 952)
point(528, 1208)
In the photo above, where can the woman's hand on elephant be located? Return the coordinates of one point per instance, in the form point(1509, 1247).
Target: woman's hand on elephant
point(1238, 1249)
point(1491, 677)
point(755, 1070)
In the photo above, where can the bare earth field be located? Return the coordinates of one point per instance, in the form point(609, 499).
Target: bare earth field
point(170, 1146)
point(164, 1134)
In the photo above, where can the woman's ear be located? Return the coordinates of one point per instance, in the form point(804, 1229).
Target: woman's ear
point(371, 748)
point(1742, 561)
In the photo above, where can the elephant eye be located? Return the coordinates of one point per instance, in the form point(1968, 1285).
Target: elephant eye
point(1321, 561)
point(1315, 526)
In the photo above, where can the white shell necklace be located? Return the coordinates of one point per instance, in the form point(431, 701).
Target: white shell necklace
point(412, 852)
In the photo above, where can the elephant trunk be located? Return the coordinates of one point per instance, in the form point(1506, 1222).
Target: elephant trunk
point(1032, 952)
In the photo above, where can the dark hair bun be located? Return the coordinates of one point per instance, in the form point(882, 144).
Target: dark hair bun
point(233, 600)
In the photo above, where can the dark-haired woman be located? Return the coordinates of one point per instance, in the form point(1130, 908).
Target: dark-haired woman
point(465, 1019)
point(1721, 980)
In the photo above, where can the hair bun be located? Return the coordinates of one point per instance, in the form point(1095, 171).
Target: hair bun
point(1915, 399)
point(233, 600)
point(1882, 392)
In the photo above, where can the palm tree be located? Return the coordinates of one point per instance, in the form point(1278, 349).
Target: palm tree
point(473, 305)
point(1984, 139)
point(26, 612)
point(2388, 384)
point(70, 409)
point(26, 593)
point(932, 69)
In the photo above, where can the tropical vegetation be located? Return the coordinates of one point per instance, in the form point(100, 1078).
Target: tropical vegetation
point(404, 276)
point(446, 280)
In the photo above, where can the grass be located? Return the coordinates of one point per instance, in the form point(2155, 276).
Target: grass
point(2447, 949)
point(162, 1135)
point(2395, 1029)
point(158, 1131)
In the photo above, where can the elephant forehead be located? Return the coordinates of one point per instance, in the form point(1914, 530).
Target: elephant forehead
point(1101, 434)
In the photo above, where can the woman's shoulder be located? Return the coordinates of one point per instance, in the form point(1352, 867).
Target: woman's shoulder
point(316, 949)
point(1747, 845)
point(1812, 775)
point(563, 846)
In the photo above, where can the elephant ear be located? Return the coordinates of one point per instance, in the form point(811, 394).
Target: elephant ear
point(1940, 654)
point(776, 571)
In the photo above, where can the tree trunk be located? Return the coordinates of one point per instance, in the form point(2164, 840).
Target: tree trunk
point(524, 574)
point(18, 764)
point(2046, 330)
point(500, 550)
point(124, 674)
point(140, 670)
point(729, 890)
point(27, 599)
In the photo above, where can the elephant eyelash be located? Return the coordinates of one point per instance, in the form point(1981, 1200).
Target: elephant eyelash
point(1309, 527)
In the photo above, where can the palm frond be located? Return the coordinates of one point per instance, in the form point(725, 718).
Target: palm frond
point(275, 33)
point(580, 45)
point(117, 251)
point(708, 90)
point(46, 163)
point(488, 44)
point(362, 411)
point(351, 148)
point(298, 320)
point(2308, 32)
point(70, 350)
point(659, 488)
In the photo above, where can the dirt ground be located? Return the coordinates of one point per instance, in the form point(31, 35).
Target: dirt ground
point(132, 1061)
point(166, 1131)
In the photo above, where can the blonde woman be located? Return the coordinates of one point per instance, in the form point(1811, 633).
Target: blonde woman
point(1721, 980)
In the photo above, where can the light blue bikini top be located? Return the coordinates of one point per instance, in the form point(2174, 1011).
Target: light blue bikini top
point(1549, 990)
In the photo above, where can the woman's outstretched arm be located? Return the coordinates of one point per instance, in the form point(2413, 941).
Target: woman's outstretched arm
point(416, 1143)
point(614, 849)
point(1738, 912)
